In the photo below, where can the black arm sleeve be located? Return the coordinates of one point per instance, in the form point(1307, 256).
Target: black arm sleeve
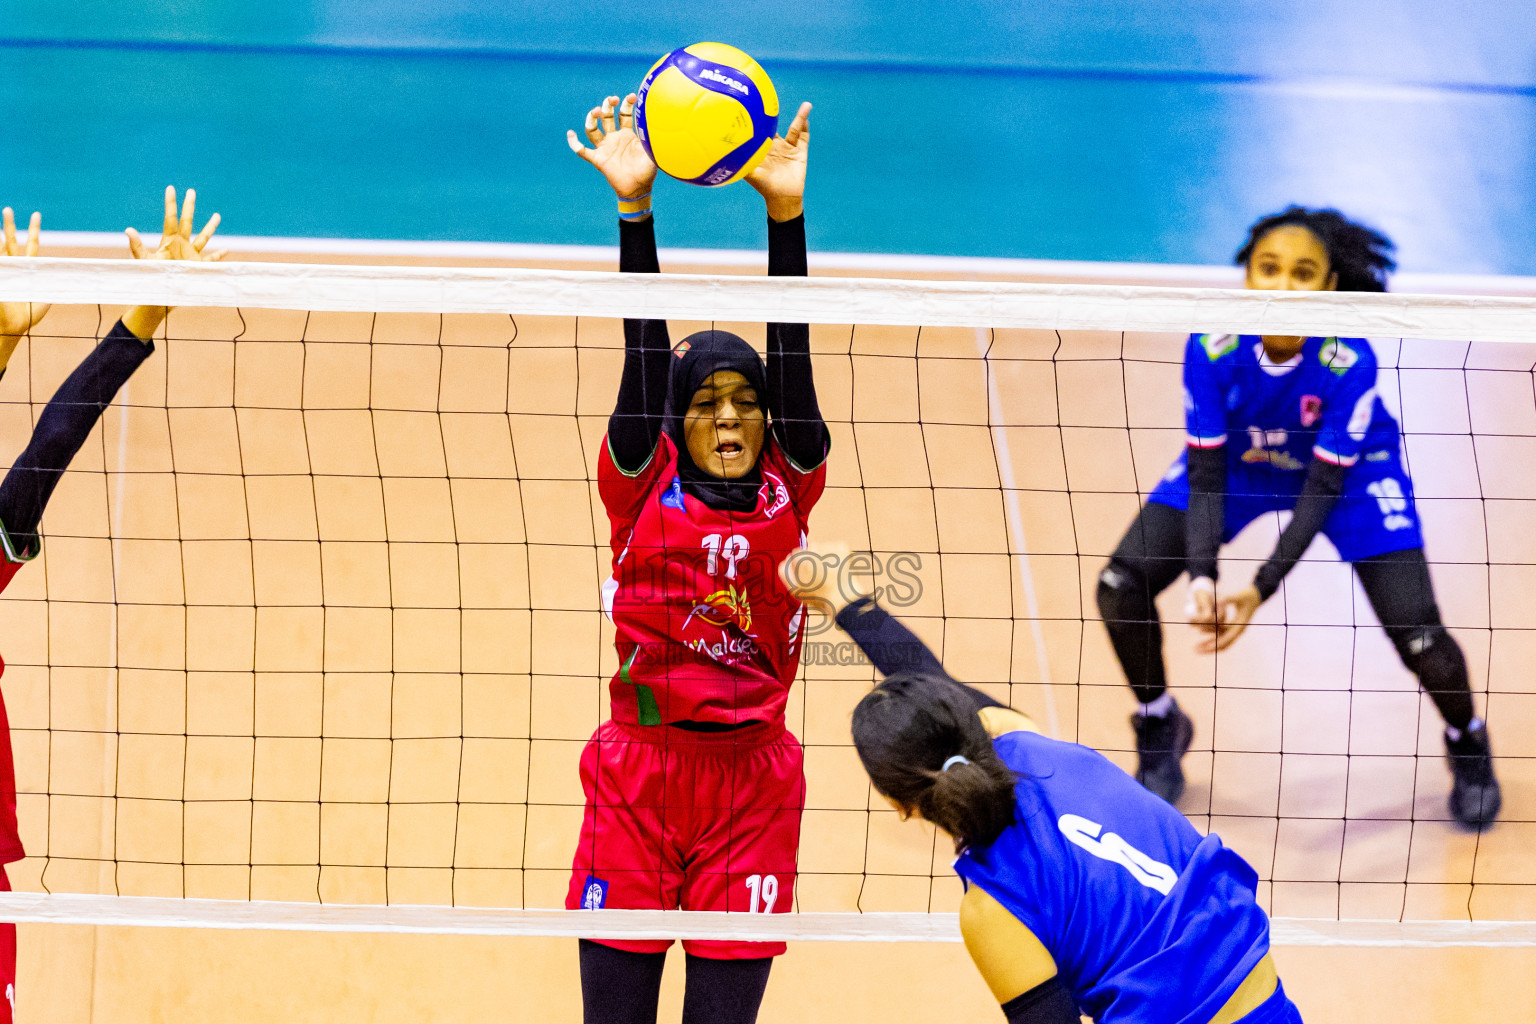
point(797, 419)
point(1047, 1003)
point(62, 429)
point(635, 426)
point(1203, 524)
point(1319, 495)
point(892, 647)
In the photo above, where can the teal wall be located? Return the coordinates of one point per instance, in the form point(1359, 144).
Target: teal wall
point(1491, 44)
point(1103, 129)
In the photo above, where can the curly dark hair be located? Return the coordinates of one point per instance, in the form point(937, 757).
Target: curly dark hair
point(1361, 256)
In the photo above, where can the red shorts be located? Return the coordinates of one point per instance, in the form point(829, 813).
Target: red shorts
point(692, 821)
point(7, 961)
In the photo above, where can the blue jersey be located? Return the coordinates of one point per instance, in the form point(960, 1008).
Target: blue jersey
point(1273, 417)
point(1147, 920)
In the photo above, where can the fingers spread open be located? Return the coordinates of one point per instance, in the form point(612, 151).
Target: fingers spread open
point(590, 127)
point(136, 245)
point(607, 112)
point(34, 233)
point(169, 226)
point(207, 232)
point(627, 111)
point(9, 217)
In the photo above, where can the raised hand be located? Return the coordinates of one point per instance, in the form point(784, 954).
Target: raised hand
point(780, 178)
point(176, 239)
point(616, 150)
point(17, 318)
point(818, 574)
point(176, 243)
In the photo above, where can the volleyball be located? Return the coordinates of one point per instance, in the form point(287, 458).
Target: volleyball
point(707, 114)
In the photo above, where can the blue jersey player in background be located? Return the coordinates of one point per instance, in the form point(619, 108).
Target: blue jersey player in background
point(1084, 893)
point(1288, 424)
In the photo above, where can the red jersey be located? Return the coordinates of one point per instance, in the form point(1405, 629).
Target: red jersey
point(10, 835)
point(706, 630)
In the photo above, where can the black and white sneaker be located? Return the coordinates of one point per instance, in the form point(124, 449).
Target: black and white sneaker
point(1475, 796)
point(1160, 744)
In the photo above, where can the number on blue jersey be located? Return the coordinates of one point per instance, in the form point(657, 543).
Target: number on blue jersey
point(1084, 833)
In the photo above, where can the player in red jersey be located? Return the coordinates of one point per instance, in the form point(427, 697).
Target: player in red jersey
point(61, 430)
point(712, 464)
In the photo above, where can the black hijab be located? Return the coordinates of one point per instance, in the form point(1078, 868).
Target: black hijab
point(694, 359)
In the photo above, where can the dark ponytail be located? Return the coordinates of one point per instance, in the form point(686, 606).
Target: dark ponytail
point(905, 730)
point(1360, 256)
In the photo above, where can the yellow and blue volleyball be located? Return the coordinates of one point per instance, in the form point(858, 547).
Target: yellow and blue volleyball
point(707, 113)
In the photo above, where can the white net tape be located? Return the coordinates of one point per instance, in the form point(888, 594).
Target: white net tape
point(270, 915)
point(787, 300)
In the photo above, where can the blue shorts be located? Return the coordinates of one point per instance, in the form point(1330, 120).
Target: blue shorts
point(1375, 515)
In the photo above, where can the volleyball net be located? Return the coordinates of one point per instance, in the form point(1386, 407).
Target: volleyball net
point(315, 640)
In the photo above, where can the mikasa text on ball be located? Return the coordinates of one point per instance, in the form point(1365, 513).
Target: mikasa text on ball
point(707, 114)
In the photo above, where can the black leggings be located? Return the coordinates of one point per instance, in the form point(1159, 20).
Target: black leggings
point(620, 987)
point(1151, 556)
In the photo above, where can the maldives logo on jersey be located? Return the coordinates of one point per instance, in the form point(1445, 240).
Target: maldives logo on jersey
point(728, 607)
point(719, 627)
point(1311, 409)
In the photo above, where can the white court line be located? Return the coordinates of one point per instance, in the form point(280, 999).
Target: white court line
point(821, 300)
point(269, 915)
point(1016, 525)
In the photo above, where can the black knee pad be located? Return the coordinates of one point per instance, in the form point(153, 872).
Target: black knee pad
point(1434, 656)
point(1429, 652)
point(1123, 595)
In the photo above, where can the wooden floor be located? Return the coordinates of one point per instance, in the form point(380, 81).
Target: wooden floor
point(316, 619)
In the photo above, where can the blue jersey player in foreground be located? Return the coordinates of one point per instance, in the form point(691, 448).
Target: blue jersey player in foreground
point(1084, 893)
point(1288, 424)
